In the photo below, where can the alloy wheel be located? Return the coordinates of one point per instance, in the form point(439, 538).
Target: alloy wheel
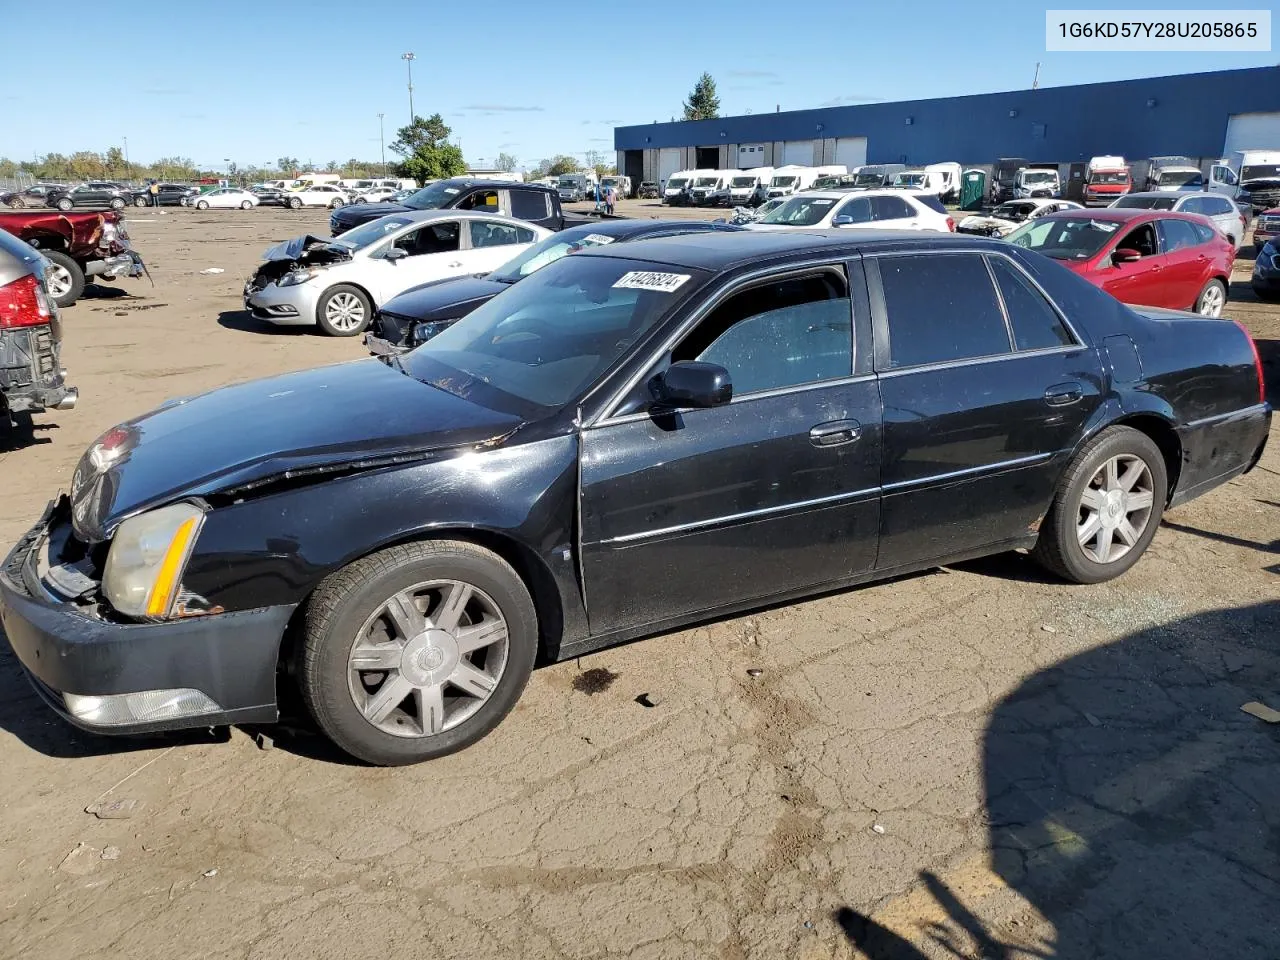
point(58, 280)
point(344, 311)
point(428, 658)
point(1212, 301)
point(1115, 508)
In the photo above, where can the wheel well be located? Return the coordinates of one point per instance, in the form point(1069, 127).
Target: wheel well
point(48, 241)
point(1164, 437)
point(527, 565)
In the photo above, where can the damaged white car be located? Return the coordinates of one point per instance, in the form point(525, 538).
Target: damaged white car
point(337, 283)
point(1008, 216)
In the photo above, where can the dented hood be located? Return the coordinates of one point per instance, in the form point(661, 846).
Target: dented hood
point(293, 249)
point(348, 416)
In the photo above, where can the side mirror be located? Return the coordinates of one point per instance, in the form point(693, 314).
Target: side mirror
point(395, 253)
point(693, 383)
point(843, 220)
point(1125, 255)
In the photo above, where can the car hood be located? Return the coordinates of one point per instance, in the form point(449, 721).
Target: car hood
point(351, 416)
point(293, 249)
point(370, 211)
point(444, 299)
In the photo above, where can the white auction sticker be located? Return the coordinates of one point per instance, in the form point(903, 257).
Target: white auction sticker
point(599, 238)
point(645, 280)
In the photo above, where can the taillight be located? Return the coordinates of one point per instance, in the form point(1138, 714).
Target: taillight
point(23, 303)
point(1257, 360)
point(951, 225)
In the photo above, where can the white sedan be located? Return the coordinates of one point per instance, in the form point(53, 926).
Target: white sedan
point(317, 195)
point(228, 197)
point(338, 283)
point(1011, 214)
point(875, 209)
point(376, 195)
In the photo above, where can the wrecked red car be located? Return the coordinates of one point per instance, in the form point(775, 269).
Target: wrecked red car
point(78, 246)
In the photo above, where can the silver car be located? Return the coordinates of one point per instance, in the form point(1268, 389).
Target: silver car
point(1226, 216)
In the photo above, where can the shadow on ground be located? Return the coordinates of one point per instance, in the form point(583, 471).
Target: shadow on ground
point(1130, 802)
point(244, 321)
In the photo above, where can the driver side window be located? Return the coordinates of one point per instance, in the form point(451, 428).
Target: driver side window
point(783, 333)
point(1142, 239)
point(859, 209)
point(431, 238)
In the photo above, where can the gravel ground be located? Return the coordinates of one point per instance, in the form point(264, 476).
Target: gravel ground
point(978, 761)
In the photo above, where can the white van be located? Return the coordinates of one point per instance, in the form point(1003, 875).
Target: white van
point(710, 188)
point(792, 178)
point(621, 184)
point(745, 183)
point(918, 179)
point(673, 191)
point(948, 177)
point(1250, 176)
point(1033, 183)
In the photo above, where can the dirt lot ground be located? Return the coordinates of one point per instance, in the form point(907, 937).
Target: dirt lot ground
point(974, 762)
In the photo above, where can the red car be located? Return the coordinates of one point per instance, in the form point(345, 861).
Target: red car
point(78, 245)
point(1266, 227)
point(1155, 258)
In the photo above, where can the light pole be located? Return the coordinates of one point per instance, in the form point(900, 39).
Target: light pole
point(382, 145)
point(128, 172)
point(227, 161)
point(408, 58)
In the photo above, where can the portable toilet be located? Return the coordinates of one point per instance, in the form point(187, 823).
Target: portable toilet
point(973, 188)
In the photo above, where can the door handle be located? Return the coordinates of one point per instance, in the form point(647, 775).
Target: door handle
point(833, 433)
point(456, 263)
point(1063, 394)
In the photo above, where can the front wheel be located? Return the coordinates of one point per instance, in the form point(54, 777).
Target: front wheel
point(17, 203)
point(64, 278)
point(294, 203)
point(337, 202)
point(344, 311)
point(139, 201)
point(245, 204)
point(1212, 299)
point(417, 651)
point(1107, 509)
point(202, 205)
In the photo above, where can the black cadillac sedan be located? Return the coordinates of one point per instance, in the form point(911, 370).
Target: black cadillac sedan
point(417, 315)
point(631, 439)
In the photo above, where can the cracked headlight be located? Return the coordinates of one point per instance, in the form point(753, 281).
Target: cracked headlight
point(147, 559)
point(295, 277)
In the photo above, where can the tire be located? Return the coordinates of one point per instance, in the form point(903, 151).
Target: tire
point(353, 608)
point(1060, 549)
point(17, 203)
point(139, 201)
point(66, 279)
point(202, 204)
point(344, 311)
point(1212, 299)
point(337, 202)
point(64, 204)
point(245, 204)
point(294, 203)
point(117, 203)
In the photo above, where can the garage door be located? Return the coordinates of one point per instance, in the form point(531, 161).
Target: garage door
point(750, 155)
point(1252, 131)
point(798, 152)
point(851, 151)
point(668, 162)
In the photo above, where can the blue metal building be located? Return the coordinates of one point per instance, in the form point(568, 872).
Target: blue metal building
point(1197, 115)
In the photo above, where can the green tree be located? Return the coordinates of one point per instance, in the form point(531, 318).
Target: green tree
point(331, 166)
point(288, 165)
point(703, 104)
point(8, 168)
point(427, 152)
point(506, 162)
point(116, 167)
point(560, 164)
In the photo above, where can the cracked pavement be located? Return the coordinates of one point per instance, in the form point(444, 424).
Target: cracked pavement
point(972, 762)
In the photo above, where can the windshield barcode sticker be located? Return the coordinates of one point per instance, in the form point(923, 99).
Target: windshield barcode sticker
point(645, 280)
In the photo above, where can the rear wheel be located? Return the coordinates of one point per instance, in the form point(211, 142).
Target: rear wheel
point(344, 311)
point(139, 201)
point(337, 202)
point(1212, 299)
point(65, 204)
point(117, 203)
point(245, 204)
point(64, 278)
point(417, 651)
point(1107, 508)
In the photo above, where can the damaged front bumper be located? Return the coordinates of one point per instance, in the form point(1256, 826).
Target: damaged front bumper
point(126, 263)
point(121, 678)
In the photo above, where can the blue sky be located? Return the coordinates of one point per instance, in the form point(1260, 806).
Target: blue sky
point(254, 81)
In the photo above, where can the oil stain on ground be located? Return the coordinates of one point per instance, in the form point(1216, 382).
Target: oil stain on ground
point(595, 680)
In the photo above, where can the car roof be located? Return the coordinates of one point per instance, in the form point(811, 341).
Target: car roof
point(421, 216)
point(634, 229)
point(1123, 214)
point(505, 184)
point(717, 251)
point(842, 194)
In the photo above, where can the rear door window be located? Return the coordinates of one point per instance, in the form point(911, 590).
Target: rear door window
point(891, 208)
point(941, 307)
point(1035, 324)
point(1178, 235)
point(529, 205)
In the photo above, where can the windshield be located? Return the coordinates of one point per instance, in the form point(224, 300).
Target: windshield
point(1260, 171)
point(1145, 203)
point(1181, 178)
point(1109, 176)
point(1039, 176)
point(677, 183)
point(1012, 211)
point(743, 182)
point(433, 196)
point(1064, 238)
point(784, 181)
point(801, 211)
point(538, 345)
point(548, 251)
point(909, 180)
point(706, 181)
point(868, 179)
point(371, 232)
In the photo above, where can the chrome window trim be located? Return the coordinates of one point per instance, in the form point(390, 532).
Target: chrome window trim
point(968, 472)
point(746, 514)
point(972, 361)
point(790, 269)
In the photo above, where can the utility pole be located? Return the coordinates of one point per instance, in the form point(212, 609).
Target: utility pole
point(126, 154)
point(408, 58)
point(382, 145)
